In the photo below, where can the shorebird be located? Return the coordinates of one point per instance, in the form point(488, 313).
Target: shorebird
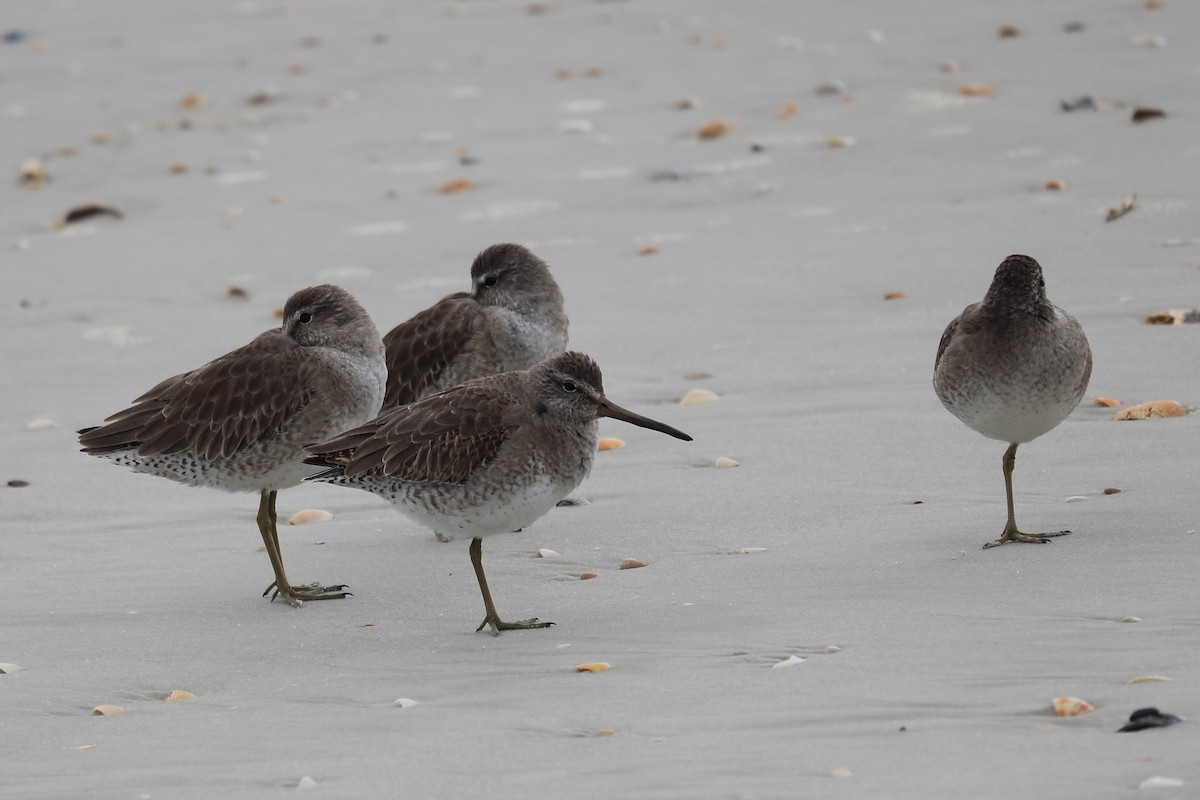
point(240, 422)
point(511, 319)
point(1012, 367)
point(489, 456)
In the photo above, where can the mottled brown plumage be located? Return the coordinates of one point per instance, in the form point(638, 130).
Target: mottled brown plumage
point(511, 319)
point(241, 422)
point(489, 456)
point(1012, 367)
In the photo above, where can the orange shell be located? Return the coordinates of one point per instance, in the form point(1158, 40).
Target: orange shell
point(610, 443)
point(1152, 410)
point(1071, 706)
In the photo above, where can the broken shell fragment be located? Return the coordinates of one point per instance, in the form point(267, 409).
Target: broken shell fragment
point(455, 185)
point(895, 295)
point(1055, 186)
point(106, 711)
point(592, 666)
point(306, 783)
point(1106, 402)
point(546, 552)
point(647, 250)
point(1159, 782)
point(1174, 316)
point(698, 397)
point(632, 563)
point(178, 695)
point(406, 702)
point(587, 576)
point(834, 142)
point(9, 669)
point(1152, 410)
point(1112, 490)
point(790, 661)
point(976, 90)
point(725, 463)
point(307, 515)
point(1071, 706)
point(714, 129)
point(605, 732)
point(609, 443)
point(841, 772)
point(33, 174)
point(1147, 679)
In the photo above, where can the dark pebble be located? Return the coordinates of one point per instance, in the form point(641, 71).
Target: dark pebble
point(17, 483)
point(1145, 718)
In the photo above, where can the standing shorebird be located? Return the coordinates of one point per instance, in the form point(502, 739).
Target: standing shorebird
point(489, 456)
point(240, 423)
point(511, 319)
point(1012, 367)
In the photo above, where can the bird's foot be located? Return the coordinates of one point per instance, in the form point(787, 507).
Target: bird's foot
point(1028, 538)
point(296, 595)
point(498, 625)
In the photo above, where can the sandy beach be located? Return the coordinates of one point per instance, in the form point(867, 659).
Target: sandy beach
point(726, 193)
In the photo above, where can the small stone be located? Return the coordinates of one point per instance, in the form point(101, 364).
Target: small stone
point(1112, 490)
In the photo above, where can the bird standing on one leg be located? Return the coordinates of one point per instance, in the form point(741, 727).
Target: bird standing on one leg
point(240, 422)
point(1012, 367)
point(489, 456)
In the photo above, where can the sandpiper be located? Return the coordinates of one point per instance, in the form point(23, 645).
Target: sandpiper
point(510, 320)
point(240, 422)
point(1012, 367)
point(486, 457)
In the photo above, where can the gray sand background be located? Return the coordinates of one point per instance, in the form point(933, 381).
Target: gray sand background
point(771, 267)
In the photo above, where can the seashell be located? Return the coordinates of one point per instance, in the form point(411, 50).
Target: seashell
point(1075, 498)
point(841, 772)
point(1071, 706)
point(178, 168)
point(106, 711)
point(592, 666)
point(840, 141)
point(306, 783)
point(1153, 409)
point(1132, 619)
point(894, 295)
point(87, 211)
point(406, 702)
point(714, 129)
point(1173, 316)
point(593, 72)
point(33, 174)
point(647, 250)
point(1144, 113)
point(725, 463)
point(1106, 402)
point(609, 443)
point(454, 185)
point(546, 552)
point(86, 747)
point(790, 661)
point(976, 90)
point(749, 551)
point(1008, 32)
point(632, 563)
point(1147, 679)
point(587, 576)
point(307, 515)
point(699, 397)
point(1112, 490)
point(1159, 782)
point(41, 424)
point(1055, 186)
point(605, 732)
point(193, 100)
point(786, 110)
point(831, 649)
point(9, 669)
point(178, 695)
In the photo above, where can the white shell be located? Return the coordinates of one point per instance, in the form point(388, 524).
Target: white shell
point(699, 397)
point(725, 463)
point(546, 552)
point(790, 661)
point(306, 783)
point(41, 424)
point(307, 515)
point(8, 669)
point(406, 702)
point(1159, 782)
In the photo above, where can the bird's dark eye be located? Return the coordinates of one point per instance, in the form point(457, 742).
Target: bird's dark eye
point(304, 317)
point(1041, 283)
point(490, 280)
point(569, 386)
